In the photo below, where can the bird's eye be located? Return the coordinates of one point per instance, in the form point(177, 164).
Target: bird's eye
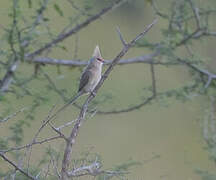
point(100, 59)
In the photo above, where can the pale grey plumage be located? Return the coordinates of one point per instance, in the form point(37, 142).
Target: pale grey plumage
point(89, 78)
point(91, 74)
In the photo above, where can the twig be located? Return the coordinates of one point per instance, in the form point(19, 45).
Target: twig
point(91, 169)
point(54, 87)
point(83, 12)
point(135, 107)
point(154, 92)
point(55, 166)
point(121, 37)
point(7, 79)
point(145, 102)
point(44, 123)
point(58, 132)
point(12, 115)
point(76, 47)
point(31, 144)
point(196, 14)
point(210, 76)
point(16, 167)
point(65, 125)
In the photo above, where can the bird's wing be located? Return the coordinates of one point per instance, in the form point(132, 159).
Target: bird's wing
point(84, 79)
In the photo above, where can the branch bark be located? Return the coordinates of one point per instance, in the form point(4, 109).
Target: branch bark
point(139, 59)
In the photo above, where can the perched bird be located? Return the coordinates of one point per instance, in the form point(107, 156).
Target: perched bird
point(90, 77)
point(91, 74)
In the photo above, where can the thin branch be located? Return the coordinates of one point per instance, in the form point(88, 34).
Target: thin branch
point(196, 13)
point(55, 168)
point(58, 131)
point(135, 107)
point(154, 91)
point(31, 144)
point(139, 59)
point(121, 37)
point(54, 87)
point(92, 170)
point(12, 115)
point(157, 12)
point(210, 76)
point(74, 30)
point(65, 125)
point(44, 123)
point(16, 167)
point(196, 34)
point(8, 77)
point(76, 47)
point(138, 106)
point(83, 12)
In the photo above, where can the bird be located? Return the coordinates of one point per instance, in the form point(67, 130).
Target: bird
point(90, 77)
point(91, 74)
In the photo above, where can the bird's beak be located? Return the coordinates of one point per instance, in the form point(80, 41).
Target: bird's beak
point(100, 59)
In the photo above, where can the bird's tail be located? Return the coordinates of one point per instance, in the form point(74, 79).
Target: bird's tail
point(67, 104)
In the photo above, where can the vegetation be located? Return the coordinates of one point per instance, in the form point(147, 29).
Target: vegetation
point(28, 68)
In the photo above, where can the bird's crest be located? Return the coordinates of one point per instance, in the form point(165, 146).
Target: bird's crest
point(97, 52)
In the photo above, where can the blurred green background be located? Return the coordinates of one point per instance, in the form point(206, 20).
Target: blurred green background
point(166, 137)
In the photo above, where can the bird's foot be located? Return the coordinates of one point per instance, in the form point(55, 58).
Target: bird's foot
point(93, 94)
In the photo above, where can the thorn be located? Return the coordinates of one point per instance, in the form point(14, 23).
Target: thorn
point(121, 37)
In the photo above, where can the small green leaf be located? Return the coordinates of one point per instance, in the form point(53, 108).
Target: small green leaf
point(45, 19)
point(149, 1)
point(30, 3)
point(58, 10)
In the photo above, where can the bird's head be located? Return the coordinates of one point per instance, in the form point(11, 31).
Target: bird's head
point(97, 55)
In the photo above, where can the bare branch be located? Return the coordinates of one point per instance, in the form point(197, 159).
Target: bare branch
point(140, 59)
point(92, 170)
point(55, 166)
point(17, 167)
point(121, 37)
point(58, 131)
point(31, 144)
point(54, 87)
point(65, 125)
point(196, 13)
point(74, 30)
point(45, 122)
point(7, 79)
point(75, 130)
point(135, 107)
point(196, 34)
point(154, 92)
point(12, 115)
point(83, 12)
point(210, 76)
point(138, 106)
